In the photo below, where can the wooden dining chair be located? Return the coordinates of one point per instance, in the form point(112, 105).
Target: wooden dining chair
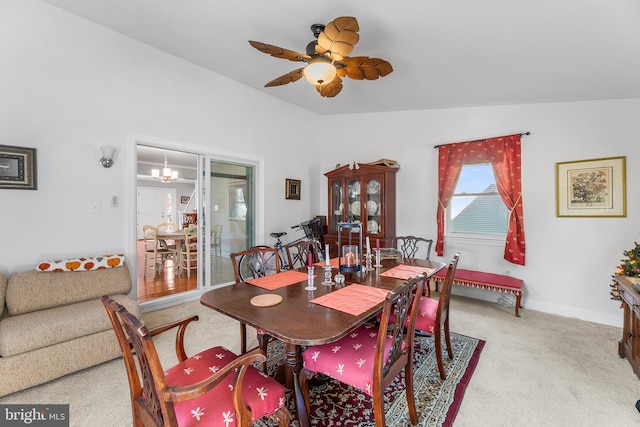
point(255, 262)
point(216, 240)
point(214, 387)
point(155, 254)
point(298, 253)
point(369, 358)
point(189, 251)
point(411, 245)
point(433, 316)
point(170, 244)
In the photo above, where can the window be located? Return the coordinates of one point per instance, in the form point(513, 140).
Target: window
point(476, 207)
point(237, 202)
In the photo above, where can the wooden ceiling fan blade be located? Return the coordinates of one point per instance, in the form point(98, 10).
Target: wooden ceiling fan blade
point(330, 89)
point(279, 52)
point(365, 68)
point(290, 77)
point(339, 37)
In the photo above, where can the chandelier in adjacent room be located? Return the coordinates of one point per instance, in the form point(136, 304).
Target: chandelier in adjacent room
point(168, 175)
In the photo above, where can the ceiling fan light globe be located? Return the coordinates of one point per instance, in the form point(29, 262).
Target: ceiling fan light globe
point(319, 72)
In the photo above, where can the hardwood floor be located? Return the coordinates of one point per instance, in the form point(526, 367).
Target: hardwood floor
point(168, 282)
point(165, 283)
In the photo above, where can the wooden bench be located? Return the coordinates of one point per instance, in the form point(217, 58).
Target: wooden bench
point(486, 281)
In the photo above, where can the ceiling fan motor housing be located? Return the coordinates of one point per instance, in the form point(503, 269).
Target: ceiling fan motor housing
point(316, 29)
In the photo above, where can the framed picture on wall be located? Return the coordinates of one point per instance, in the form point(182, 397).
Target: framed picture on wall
point(292, 189)
point(18, 168)
point(591, 188)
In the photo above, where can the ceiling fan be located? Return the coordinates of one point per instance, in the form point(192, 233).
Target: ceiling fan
point(327, 58)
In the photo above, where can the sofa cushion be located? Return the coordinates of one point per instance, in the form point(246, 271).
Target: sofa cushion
point(38, 329)
point(34, 290)
point(3, 290)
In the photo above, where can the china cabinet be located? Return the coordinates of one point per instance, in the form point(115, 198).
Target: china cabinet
point(367, 195)
point(629, 345)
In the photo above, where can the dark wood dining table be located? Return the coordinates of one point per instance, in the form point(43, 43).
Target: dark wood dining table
point(299, 322)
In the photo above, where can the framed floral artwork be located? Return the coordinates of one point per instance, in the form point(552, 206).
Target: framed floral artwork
point(591, 188)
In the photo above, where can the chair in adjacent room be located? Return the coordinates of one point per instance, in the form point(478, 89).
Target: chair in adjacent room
point(433, 316)
point(259, 261)
point(370, 356)
point(155, 254)
point(411, 245)
point(169, 227)
point(189, 251)
point(213, 387)
point(216, 240)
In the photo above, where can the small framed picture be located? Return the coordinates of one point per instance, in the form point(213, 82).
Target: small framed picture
point(591, 188)
point(184, 199)
point(18, 168)
point(292, 189)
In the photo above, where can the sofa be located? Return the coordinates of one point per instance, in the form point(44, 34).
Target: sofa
point(53, 323)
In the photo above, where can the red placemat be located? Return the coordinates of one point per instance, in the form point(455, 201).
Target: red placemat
point(354, 299)
point(405, 271)
point(332, 261)
point(279, 280)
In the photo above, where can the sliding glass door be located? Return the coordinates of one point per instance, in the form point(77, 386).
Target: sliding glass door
point(231, 215)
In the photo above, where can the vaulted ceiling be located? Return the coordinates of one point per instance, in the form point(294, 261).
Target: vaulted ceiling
point(454, 53)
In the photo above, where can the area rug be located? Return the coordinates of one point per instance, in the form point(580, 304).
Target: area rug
point(437, 401)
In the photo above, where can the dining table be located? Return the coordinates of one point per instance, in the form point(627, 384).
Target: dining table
point(302, 317)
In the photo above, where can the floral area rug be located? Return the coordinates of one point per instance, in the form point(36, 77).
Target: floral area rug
point(437, 401)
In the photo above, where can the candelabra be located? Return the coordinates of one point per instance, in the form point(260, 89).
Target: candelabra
point(310, 278)
point(327, 275)
point(378, 264)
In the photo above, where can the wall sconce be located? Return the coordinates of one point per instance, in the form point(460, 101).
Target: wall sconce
point(107, 156)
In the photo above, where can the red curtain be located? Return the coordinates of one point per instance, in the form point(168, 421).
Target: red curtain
point(504, 154)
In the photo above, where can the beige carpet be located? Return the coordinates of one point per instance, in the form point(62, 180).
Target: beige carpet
point(537, 370)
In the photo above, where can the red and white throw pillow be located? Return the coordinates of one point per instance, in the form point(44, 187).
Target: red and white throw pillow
point(83, 264)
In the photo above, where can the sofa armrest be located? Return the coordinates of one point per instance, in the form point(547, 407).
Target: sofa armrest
point(3, 292)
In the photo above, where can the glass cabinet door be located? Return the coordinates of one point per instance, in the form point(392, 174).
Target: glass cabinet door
point(354, 204)
point(337, 205)
point(373, 207)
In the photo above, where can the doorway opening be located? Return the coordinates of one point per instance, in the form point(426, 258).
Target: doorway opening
point(166, 199)
point(221, 208)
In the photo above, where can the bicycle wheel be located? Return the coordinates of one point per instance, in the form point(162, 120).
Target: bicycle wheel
point(252, 266)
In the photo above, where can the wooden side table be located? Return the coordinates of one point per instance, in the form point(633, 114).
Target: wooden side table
point(629, 345)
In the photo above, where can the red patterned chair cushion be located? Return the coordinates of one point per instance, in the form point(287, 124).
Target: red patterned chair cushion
point(426, 318)
point(216, 407)
point(350, 359)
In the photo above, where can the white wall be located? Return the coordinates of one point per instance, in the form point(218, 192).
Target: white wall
point(68, 86)
point(569, 260)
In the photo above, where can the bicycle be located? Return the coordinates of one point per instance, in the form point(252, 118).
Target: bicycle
point(313, 233)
